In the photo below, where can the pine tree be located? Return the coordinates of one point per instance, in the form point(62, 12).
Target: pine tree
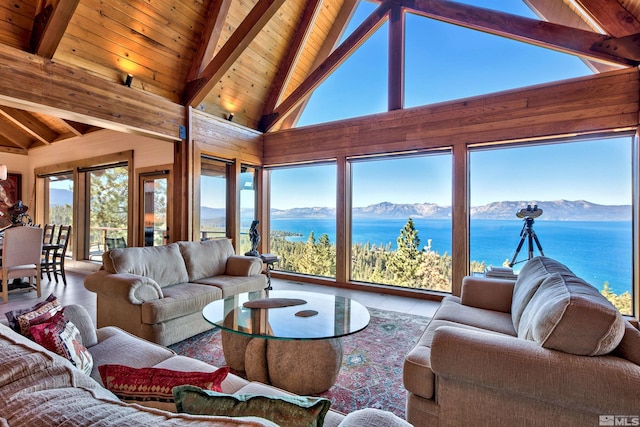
point(405, 262)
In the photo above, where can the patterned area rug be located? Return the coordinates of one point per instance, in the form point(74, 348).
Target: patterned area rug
point(371, 373)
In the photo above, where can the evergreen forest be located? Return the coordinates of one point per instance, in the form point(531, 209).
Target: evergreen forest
point(407, 266)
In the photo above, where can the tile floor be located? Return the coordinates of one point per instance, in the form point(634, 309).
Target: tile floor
point(75, 293)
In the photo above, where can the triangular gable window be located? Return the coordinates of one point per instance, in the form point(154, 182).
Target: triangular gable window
point(443, 62)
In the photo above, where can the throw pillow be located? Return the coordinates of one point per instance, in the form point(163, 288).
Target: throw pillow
point(152, 386)
point(282, 410)
point(63, 337)
point(21, 320)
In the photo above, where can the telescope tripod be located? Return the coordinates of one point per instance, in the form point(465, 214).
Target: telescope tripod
point(527, 233)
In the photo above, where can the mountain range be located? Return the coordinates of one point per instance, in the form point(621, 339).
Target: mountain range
point(556, 210)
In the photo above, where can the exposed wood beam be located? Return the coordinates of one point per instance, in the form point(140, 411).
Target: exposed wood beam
point(197, 90)
point(30, 124)
point(216, 15)
point(540, 33)
point(335, 34)
point(396, 58)
point(70, 93)
point(15, 136)
point(333, 61)
point(78, 129)
point(296, 48)
point(50, 25)
point(611, 16)
point(562, 12)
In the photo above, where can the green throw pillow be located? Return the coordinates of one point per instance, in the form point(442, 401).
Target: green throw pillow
point(282, 410)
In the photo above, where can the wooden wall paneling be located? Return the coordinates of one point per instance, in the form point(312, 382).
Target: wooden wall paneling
point(605, 101)
point(264, 209)
point(233, 204)
point(226, 139)
point(460, 218)
point(70, 93)
point(343, 220)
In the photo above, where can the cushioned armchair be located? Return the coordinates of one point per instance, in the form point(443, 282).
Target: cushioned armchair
point(545, 350)
point(158, 293)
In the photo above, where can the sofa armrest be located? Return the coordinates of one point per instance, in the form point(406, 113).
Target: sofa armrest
point(129, 288)
point(487, 293)
point(520, 367)
point(241, 265)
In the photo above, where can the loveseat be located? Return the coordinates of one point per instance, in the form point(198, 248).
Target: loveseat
point(547, 349)
point(41, 388)
point(158, 293)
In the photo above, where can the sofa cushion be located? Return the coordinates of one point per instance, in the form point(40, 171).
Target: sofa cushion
point(116, 346)
point(179, 300)
point(164, 264)
point(569, 315)
point(232, 285)
point(153, 386)
point(206, 259)
point(63, 338)
point(283, 410)
point(529, 279)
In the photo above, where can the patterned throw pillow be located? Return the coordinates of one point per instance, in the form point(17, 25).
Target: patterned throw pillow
point(284, 410)
point(21, 320)
point(153, 386)
point(63, 337)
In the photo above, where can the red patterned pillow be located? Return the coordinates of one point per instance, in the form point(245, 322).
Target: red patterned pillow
point(63, 337)
point(21, 320)
point(153, 386)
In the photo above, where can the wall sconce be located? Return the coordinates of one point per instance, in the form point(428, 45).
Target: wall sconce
point(3, 172)
point(230, 117)
point(128, 80)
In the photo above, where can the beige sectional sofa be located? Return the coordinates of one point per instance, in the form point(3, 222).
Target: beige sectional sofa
point(545, 350)
point(158, 293)
point(40, 388)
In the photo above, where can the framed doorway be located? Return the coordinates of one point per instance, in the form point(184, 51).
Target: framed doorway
point(155, 215)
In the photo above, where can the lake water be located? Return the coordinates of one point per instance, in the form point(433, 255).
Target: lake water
point(596, 251)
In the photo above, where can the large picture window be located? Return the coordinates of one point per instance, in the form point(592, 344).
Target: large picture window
point(584, 189)
point(303, 219)
point(401, 221)
point(108, 206)
point(213, 199)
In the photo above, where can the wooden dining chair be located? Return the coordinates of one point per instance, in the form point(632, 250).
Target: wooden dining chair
point(21, 254)
point(46, 264)
point(60, 252)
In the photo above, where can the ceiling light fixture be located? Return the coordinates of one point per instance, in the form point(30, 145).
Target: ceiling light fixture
point(128, 80)
point(3, 172)
point(230, 117)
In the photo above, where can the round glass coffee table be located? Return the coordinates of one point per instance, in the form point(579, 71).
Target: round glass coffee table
point(294, 347)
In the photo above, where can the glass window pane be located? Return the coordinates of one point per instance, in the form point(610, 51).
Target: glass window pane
point(60, 209)
point(109, 209)
point(303, 219)
point(155, 211)
point(584, 191)
point(401, 221)
point(213, 200)
point(247, 206)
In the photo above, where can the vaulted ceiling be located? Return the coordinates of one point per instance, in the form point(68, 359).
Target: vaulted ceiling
point(256, 59)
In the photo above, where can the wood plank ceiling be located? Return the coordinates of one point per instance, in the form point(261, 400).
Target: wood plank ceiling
point(256, 59)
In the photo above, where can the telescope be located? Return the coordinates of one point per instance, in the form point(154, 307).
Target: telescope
point(529, 212)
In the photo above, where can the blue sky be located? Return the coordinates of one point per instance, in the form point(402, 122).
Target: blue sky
point(438, 57)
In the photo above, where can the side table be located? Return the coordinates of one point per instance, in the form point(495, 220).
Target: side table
point(269, 260)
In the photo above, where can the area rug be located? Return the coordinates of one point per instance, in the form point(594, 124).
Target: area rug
point(371, 373)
